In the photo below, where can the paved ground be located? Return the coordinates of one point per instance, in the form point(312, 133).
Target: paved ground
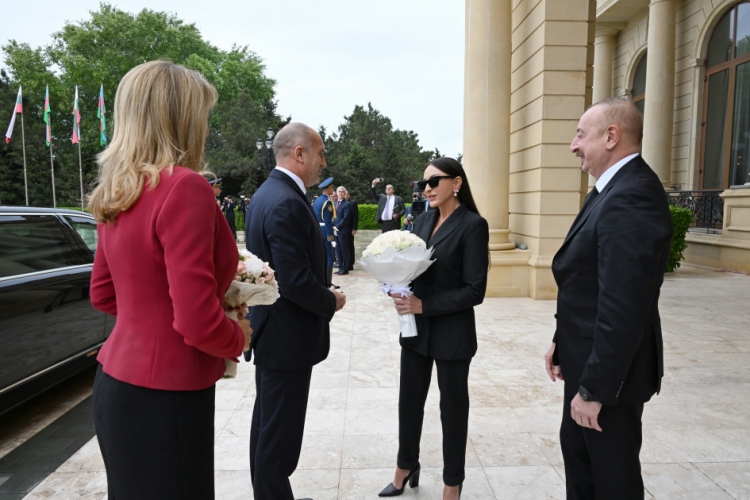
point(696, 433)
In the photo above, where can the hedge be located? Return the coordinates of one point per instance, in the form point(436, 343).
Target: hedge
point(682, 218)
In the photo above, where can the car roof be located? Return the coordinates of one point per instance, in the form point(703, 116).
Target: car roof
point(38, 210)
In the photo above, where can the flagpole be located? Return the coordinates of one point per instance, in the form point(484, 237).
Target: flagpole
point(25, 178)
point(80, 170)
point(52, 170)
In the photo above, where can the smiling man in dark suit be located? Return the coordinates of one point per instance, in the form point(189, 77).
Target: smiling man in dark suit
point(291, 335)
point(608, 342)
point(390, 207)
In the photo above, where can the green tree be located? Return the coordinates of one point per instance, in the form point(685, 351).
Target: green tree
point(100, 50)
point(367, 146)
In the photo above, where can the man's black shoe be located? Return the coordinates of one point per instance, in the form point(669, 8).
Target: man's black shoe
point(342, 273)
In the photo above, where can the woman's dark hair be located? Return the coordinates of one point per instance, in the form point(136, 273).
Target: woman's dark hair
point(451, 167)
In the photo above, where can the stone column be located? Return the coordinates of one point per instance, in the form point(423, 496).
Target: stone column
point(604, 44)
point(486, 147)
point(659, 106)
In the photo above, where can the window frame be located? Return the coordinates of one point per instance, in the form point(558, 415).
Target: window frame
point(730, 65)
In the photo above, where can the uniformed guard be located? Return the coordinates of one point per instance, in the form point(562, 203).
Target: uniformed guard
point(216, 184)
point(325, 213)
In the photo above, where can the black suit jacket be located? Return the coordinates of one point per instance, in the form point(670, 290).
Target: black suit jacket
point(398, 205)
point(343, 220)
point(354, 209)
point(452, 286)
point(609, 272)
point(282, 230)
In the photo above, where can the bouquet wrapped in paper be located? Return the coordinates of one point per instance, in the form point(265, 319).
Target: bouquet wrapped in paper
point(397, 258)
point(254, 285)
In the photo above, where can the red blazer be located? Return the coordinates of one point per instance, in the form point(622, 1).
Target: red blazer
point(163, 268)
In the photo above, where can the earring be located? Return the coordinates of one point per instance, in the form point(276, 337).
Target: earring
point(455, 193)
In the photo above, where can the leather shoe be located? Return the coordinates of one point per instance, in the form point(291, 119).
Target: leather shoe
point(412, 479)
point(342, 273)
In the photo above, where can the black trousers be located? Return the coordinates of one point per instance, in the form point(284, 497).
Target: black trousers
point(352, 255)
point(342, 251)
point(390, 225)
point(453, 380)
point(277, 428)
point(155, 444)
point(603, 465)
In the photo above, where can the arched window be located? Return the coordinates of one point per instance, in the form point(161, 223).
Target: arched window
point(639, 84)
point(726, 102)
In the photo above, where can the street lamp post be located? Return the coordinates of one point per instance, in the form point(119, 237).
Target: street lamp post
point(267, 158)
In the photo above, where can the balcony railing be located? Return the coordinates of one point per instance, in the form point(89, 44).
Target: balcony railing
point(707, 207)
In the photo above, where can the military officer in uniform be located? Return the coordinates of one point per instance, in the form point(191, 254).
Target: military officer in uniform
point(216, 184)
point(325, 213)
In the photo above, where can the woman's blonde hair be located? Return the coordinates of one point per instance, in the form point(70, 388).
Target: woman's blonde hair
point(161, 120)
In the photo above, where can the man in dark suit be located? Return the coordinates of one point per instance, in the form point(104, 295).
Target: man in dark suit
point(228, 208)
point(609, 271)
point(291, 335)
point(390, 207)
point(343, 227)
point(354, 209)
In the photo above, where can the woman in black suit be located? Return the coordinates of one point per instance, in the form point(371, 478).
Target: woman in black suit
point(443, 302)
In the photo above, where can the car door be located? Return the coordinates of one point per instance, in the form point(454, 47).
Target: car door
point(45, 312)
point(85, 227)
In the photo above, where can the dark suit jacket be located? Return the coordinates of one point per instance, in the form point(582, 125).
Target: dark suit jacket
point(609, 272)
point(354, 209)
point(343, 220)
point(282, 230)
point(398, 205)
point(452, 286)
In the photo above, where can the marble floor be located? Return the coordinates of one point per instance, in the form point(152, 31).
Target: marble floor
point(696, 433)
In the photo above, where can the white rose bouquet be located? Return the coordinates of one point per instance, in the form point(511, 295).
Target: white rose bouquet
point(254, 285)
point(397, 258)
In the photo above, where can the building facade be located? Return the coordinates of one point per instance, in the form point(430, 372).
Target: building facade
point(532, 68)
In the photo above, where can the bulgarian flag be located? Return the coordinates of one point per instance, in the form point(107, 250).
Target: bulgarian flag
point(76, 120)
point(16, 110)
point(102, 122)
point(48, 134)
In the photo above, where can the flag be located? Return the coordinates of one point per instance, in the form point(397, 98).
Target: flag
point(102, 122)
point(16, 110)
point(76, 120)
point(48, 133)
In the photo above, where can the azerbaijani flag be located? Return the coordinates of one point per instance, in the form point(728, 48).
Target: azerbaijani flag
point(48, 134)
point(76, 120)
point(16, 110)
point(102, 122)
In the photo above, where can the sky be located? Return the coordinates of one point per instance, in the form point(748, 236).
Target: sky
point(406, 57)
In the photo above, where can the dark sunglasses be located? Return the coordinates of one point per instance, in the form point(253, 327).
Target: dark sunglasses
point(433, 181)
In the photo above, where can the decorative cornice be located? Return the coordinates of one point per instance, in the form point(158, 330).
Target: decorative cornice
point(609, 29)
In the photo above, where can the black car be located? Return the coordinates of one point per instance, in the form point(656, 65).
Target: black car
point(48, 328)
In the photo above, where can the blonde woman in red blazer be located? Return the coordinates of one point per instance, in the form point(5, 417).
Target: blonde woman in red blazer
point(164, 259)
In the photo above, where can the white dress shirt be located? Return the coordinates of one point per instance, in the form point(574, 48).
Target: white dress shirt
point(602, 182)
point(388, 210)
point(294, 177)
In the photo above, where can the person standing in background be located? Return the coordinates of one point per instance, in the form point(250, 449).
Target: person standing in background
point(228, 208)
point(390, 207)
point(342, 226)
point(325, 212)
point(354, 209)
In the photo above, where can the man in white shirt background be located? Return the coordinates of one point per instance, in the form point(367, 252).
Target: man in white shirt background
point(390, 207)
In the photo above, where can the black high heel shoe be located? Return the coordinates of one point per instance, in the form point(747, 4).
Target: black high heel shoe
point(412, 479)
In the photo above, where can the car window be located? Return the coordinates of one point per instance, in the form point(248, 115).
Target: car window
point(86, 229)
point(30, 243)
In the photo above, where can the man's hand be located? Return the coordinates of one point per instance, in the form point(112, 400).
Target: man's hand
point(554, 371)
point(354, 232)
point(586, 413)
point(395, 215)
point(375, 182)
point(340, 298)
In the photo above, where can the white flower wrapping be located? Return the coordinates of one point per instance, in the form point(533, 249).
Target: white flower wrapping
point(254, 284)
point(397, 258)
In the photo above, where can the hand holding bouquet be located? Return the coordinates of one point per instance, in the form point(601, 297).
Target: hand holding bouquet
point(397, 258)
point(254, 285)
